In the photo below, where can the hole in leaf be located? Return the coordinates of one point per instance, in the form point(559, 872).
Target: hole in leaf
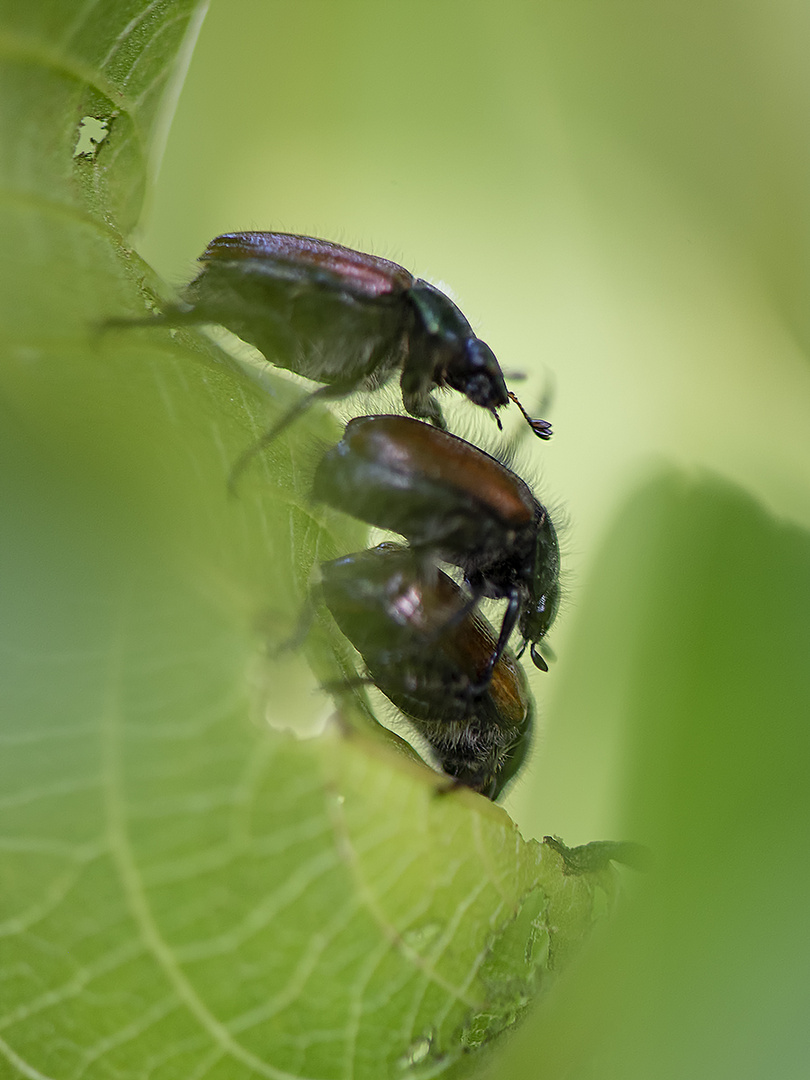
point(92, 132)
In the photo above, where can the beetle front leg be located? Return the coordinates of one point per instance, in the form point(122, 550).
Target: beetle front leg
point(415, 384)
point(510, 619)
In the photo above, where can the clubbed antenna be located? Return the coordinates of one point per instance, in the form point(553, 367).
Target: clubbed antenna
point(541, 428)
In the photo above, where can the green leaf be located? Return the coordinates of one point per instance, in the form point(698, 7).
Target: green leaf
point(185, 890)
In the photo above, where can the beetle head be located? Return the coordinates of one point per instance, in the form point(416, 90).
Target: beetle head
point(474, 371)
point(536, 619)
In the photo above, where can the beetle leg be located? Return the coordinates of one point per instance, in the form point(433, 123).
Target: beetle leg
point(323, 393)
point(510, 619)
point(486, 785)
point(301, 632)
point(423, 407)
point(415, 383)
point(447, 784)
point(458, 617)
point(173, 316)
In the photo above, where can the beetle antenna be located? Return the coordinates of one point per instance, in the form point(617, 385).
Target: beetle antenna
point(497, 419)
point(541, 428)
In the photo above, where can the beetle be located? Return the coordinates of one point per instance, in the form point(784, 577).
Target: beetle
point(455, 503)
point(426, 650)
point(342, 318)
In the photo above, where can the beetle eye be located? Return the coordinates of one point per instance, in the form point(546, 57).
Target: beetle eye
point(481, 358)
point(482, 378)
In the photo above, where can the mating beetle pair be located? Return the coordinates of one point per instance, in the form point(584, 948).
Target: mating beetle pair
point(342, 318)
point(422, 638)
point(427, 650)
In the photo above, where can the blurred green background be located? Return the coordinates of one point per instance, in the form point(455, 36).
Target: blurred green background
point(614, 193)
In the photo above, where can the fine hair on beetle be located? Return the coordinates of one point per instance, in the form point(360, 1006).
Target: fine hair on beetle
point(521, 455)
